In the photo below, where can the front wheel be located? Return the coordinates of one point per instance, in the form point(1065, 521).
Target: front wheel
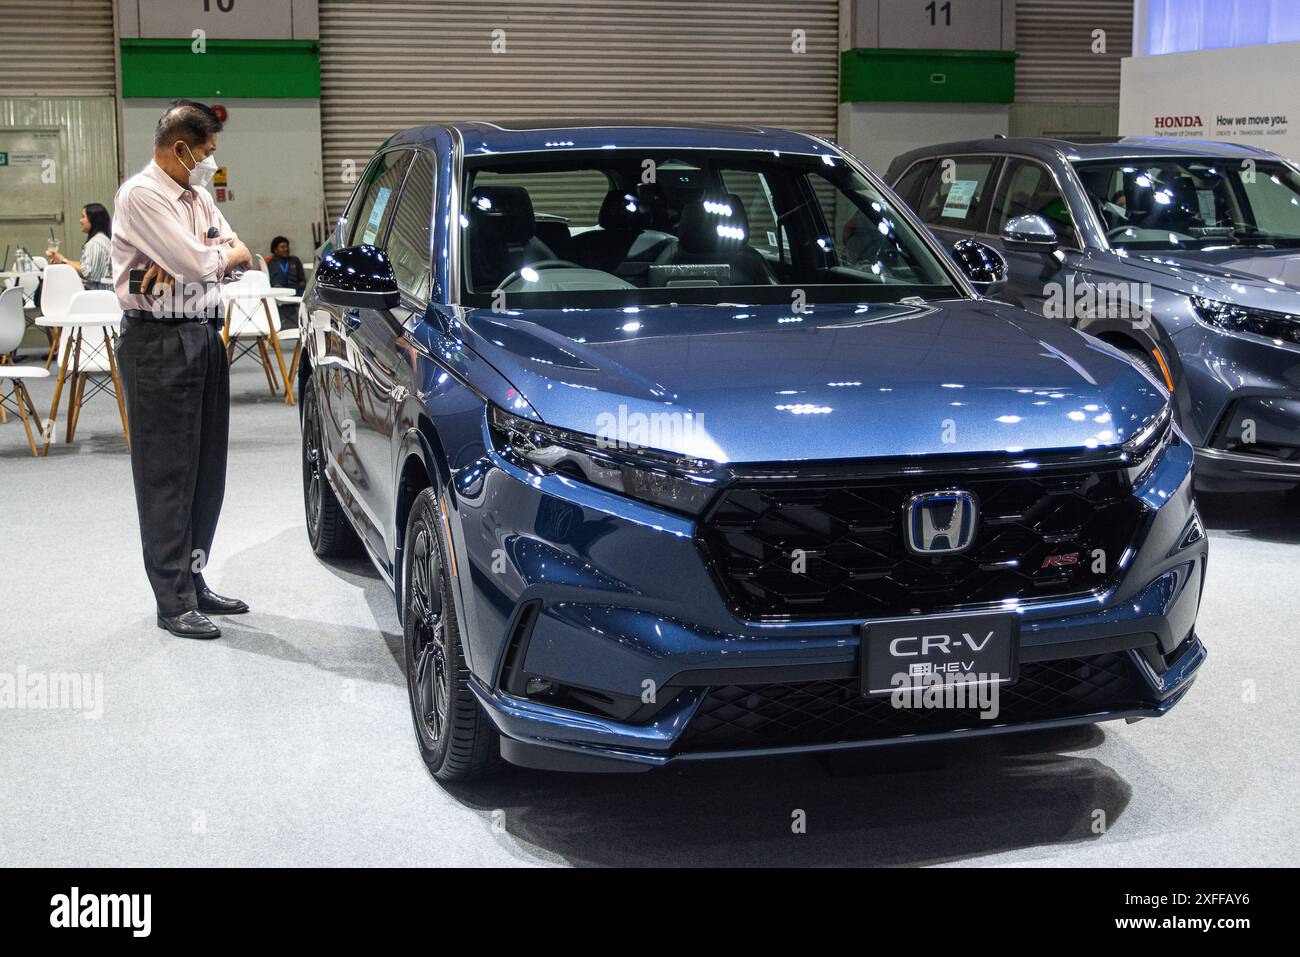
point(457, 740)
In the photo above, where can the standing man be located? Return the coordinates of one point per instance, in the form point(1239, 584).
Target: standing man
point(172, 249)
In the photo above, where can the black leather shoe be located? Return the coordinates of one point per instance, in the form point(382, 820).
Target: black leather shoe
point(210, 603)
point(189, 624)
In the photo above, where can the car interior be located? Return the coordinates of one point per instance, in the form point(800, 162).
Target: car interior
point(672, 221)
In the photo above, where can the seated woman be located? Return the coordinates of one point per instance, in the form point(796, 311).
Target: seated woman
point(96, 255)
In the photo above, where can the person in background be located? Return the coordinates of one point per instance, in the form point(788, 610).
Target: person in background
point(95, 265)
point(286, 272)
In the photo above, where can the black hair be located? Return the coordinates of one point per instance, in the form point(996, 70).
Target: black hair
point(186, 120)
point(100, 221)
point(277, 241)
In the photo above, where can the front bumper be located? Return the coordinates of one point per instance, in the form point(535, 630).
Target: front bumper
point(1241, 408)
point(552, 739)
point(611, 601)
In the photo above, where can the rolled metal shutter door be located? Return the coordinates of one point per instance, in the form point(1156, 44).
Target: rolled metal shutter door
point(1054, 39)
point(53, 48)
point(399, 63)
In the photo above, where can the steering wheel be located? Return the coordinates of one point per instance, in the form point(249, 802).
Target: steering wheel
point(539, 265)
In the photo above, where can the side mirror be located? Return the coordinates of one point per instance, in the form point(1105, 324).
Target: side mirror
point(983, 266)
point(1029, 234)
point(359, 276)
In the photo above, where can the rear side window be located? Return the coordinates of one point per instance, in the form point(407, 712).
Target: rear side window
point(956, 191)
point(411, 236)
point(1028, 187)
point(909, 185)
point(376, 208)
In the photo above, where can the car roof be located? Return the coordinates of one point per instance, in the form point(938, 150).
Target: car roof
point(482, 137)
point(1089, 148)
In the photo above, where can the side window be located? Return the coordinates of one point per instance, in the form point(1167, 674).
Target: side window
point(376, 209)
point(955, 194)
point(409, 241)
point(357, 199)
point(1028, 187)
point(909, 185)
point(756, 197)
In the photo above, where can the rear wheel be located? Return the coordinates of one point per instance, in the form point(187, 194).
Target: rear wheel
point(457, 740)
point(327, 526)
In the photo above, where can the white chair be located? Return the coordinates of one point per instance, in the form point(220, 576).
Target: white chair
point(252, 313)
point(28, 283)
point(41, 262)
point(61, 283)
point(12, 327)
point(92, 356)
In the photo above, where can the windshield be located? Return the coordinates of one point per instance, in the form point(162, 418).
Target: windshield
point(621, 228)
point(1191, 203)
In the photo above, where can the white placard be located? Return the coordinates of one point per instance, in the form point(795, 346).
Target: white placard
point(1242, 95)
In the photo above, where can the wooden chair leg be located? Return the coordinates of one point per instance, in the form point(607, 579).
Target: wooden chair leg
point(117, 389)
point(279, 353)
point(74, 414)
point(225, 329)
point(56, 334)
point(4, 414)
point(266, 363)
point(293, 373)
point(48, 428)
point(24, 402)
point(74, 400)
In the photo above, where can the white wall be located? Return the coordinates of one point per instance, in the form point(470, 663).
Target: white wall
point(1203, 95)
point(877, 132)
point(271, 149)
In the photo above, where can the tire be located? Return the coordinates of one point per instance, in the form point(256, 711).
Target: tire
point(456, 739)
point(1145, 362)
point(328, 529)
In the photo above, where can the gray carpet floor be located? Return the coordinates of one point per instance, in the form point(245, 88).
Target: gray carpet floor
point(289, 740)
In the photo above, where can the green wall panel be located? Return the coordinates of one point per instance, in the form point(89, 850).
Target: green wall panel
point(261, 69)
point(927, 76)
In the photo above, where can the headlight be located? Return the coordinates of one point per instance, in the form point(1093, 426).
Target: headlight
point(1144, 445)
point(672, 482)
point(1279, 326)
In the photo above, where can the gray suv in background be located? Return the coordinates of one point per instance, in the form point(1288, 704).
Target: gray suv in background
point(1185, 255)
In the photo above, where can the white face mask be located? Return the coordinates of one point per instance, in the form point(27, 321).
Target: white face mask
point(201, 173)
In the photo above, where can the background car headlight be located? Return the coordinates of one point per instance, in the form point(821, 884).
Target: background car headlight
point(1273, 325)
point(668, 481)
point(1144, 445)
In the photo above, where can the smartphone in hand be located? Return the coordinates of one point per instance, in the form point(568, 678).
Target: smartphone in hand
point(135, 283)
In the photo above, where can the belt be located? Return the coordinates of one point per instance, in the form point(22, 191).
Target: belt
point(148, 316)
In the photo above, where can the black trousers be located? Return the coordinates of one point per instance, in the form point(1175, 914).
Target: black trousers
point(177, 383)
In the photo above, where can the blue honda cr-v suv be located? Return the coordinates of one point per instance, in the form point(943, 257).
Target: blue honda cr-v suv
point(661, 470)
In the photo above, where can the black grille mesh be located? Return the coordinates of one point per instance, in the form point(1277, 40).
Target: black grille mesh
point(823, 712)
point(850, 534)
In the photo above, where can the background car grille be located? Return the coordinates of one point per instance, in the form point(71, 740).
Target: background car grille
point(823, 712)
point(857, 564)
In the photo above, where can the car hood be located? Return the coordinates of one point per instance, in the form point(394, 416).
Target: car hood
point(1265, 278)
point(765, 384)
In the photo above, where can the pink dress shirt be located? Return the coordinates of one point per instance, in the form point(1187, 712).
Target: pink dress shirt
point(157, 221)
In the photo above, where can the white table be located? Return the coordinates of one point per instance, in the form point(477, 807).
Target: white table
point(266, 297)
point(74, 326)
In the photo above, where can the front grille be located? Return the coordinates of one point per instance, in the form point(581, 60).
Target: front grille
point(823, 712)
point(790, 549)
